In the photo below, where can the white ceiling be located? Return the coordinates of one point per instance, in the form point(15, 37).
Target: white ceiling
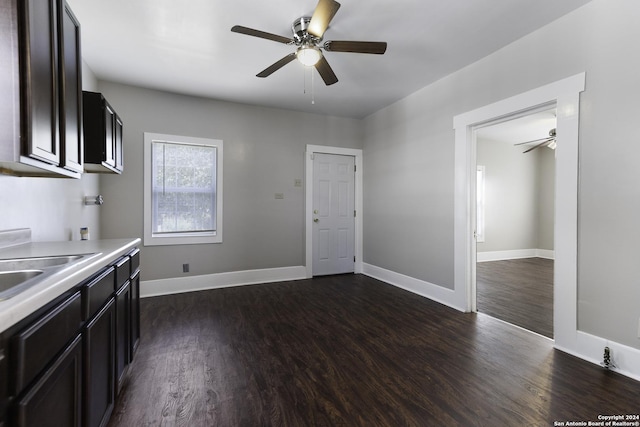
point(187, 46)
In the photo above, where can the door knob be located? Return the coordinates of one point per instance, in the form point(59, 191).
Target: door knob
point(316, 220)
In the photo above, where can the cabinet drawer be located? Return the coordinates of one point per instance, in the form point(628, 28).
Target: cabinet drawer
point(39, 343)
point(135, 261)
point(97, 292)
point(123, 271)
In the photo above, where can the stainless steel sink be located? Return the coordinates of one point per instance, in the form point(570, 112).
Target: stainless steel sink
point(36, 263)
point(10, 279)
point(20, 274)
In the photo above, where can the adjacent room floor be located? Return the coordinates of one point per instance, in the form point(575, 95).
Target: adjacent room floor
point(351, 351)
point(518, 291)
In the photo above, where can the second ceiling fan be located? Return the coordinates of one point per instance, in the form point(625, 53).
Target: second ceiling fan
point(307, 37)
point(549, 141)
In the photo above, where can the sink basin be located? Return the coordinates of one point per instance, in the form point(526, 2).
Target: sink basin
point(36, 263)
point(19, 274)
point(9, 280)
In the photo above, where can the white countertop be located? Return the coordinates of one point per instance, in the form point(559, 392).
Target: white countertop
point(22, 305)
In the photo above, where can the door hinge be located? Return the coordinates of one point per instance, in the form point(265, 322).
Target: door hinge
point(354, 258)
point(354, 168)
point(354, 213)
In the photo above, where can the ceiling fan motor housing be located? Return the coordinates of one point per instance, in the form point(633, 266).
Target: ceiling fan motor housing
point(300, 34)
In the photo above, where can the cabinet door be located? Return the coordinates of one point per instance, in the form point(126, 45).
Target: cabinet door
point(99, 358)
point(117, 142)
point(135, 313)
point(4, 386)
point(39, 93)
point(123, 308)
point(109, 143)
point(71, 93)
point(55, 400)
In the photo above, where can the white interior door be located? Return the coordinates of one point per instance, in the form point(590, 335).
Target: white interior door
point(333, 214)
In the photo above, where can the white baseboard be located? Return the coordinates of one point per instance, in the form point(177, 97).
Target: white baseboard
point(177, 285)
point(428, 290)
point(587, 347)
point(626, 360)
point(514, 254)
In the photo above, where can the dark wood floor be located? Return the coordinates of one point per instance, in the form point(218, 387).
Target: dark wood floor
point(518, 291)
point(351, 351)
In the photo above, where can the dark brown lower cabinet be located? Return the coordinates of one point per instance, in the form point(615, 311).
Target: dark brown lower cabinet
point(54, 400)
point(99, 352)
point(123, 328)
point(65, 364)
point(4, 386)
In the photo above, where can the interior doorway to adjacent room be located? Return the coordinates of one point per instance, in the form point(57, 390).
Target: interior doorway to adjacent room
point(515, 220)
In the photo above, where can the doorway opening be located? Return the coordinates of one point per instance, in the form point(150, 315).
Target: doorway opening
point(515, 188)
point(565, 95)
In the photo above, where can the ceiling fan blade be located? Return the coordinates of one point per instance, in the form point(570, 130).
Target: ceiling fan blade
point(377, 48)
point(325, 71)
point(535, 140)
point(322, 16)
point(276, 66)
point(542, 144)
point(261, 34)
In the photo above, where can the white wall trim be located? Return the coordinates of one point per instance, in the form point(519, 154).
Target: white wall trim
point(308, 221)
point(420, 287)
point(514, 254)
point(178, 285)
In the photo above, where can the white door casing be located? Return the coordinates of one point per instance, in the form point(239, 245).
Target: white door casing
point(311, 150)
point(566, 96)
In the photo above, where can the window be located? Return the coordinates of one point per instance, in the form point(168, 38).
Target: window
point(182, 190)
point(480, 204)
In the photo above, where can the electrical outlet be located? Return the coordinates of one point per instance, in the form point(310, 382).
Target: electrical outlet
point(279, 195)
point(185, 268)
point(297, 182)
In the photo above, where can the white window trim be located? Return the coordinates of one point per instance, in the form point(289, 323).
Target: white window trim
point(194, 238)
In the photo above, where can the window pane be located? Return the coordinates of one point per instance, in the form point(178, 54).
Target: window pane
point(183, 187)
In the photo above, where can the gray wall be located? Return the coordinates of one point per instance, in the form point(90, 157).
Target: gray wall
point(409, 175)
point(519, 190)
point(545, 198)
point(263, 155)
point(52, 207)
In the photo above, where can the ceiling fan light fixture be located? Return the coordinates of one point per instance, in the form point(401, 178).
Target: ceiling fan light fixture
point(308, 55)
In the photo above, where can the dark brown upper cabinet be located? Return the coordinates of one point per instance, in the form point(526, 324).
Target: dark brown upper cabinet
point(41, 82)
point(102, 135)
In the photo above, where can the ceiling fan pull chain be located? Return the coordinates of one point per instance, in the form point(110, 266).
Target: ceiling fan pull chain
point(313, 92)
point(304, 73)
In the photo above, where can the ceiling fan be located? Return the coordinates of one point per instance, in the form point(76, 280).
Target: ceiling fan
point(307, 36)
point(549, 141)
